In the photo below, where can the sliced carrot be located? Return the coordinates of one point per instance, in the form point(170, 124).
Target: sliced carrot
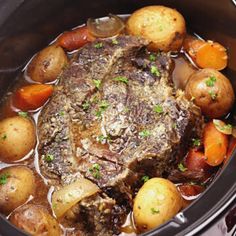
point(206, 54)
point(212, 55)
point(232, 146)
point(31, 97)
point(215, 145)
point(75, 39)
point(195, 161)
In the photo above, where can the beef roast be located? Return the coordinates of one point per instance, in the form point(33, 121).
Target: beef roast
point(113, 118)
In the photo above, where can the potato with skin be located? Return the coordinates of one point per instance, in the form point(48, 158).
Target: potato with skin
point(47, 65)
point(164, 27)
point(211, 91)
point(157, 201)
point(35, 220)
point(17, 138)
point(17, 183)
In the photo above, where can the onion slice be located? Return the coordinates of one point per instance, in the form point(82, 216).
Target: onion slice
point(68, 196)
point(105, 27)
point(222, 127)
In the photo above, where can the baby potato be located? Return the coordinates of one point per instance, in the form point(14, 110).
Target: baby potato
point(47, 64)
point(17, 183)
point(35, 220)
point(157, 201)
point(211, 91)
point(17, 138)
point(164, 27)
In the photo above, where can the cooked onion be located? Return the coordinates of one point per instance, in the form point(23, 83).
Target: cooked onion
point(222, 127)
point(106, 27)
point(68, 196)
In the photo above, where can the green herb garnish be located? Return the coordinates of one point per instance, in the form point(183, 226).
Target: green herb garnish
point(86, 105)
point(145, 178)
point(154, 211)
point(213, 95)
point(121, 79)
point(97, 83)
point(211, 81)
point(3, 178)
point(23, 114)
point(196, 142)
point(182, 168)
point(102, 107)
point(49, 158)
point(155, 71)
point(4, 137)
point(61, 113)
point(152, 57)
point(102, 138)
point(95, 170)
point(98, 45)
point(145, 133)
point(114, 41)
point(158, 109)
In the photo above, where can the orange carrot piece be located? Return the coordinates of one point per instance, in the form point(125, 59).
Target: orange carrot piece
point(31, 97)
point(75, 39)
point(215, 145)
point(212, 55)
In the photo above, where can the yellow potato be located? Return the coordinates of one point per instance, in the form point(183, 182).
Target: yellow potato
point(17, 183)
point(17, 138)
point(47, 64)
point(164, 27)
point(211, 91)
point(156, 202)
point(35, 220)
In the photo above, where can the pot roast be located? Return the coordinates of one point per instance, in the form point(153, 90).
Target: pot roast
point(114, 118)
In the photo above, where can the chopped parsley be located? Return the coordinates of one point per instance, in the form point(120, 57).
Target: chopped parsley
point(158, 109)
point(145, 133)
point(145, 178)
point(97, 83)
point(213, 95)
point(160, 28)
point(196, 142)
point(114, 41)
point(95, 170)
point(86, 105)
point(49, 158)
point(152, 57)
point(211, 81)
point(4, 137)
point(154, 211)
point(121, 79)
point(102, 107)
point(174, 125)
point(182, 168)
point(102, 138)
point(3, 178)
point(192, 183)
point(61, 113)
point(23, 114)
point(155, 71)
point(98, 45)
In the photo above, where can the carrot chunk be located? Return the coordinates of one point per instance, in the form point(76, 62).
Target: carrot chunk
point(212, 55)
point(31, 97)
point(206, 54)
point(215, 144)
